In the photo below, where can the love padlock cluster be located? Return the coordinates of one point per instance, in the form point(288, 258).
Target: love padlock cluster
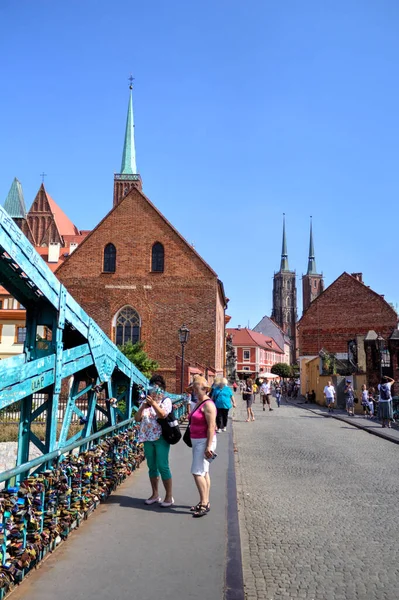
point(40, 512)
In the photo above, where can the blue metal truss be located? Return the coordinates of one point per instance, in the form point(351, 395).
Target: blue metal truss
point(77, 356)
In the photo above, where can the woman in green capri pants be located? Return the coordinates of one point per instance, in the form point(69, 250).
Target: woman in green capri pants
point(156, 449)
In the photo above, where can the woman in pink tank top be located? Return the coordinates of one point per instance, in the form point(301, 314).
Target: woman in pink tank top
point(203, 438)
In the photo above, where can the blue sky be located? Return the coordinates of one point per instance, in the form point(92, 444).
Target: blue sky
point(243, 110)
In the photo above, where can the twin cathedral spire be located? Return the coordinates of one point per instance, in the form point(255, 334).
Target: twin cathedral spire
point(284, 311)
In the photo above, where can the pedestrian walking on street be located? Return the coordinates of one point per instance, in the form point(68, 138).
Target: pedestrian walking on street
point(224, 399)
point(156, 448)
point(234, 386)
point(365, 401)
point(278, 394)
point(329, 395)
point(349, 398)
point(203, 439)
point(371, 403)
point(385, 403)
point(285, 391)
point(248, 396)
point(266, 394)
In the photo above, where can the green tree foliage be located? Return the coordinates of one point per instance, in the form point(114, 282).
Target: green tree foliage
point(137, 355)
point(281, 369)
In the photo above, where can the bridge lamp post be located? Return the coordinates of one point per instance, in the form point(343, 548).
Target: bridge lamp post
point(184, 334)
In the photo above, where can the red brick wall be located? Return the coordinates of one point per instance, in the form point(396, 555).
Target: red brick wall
point(346, 308)
point(187, 291)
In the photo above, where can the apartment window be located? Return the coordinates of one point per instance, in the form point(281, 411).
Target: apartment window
point(20, 335)
point(245, 368)
point(247, 355)
point(1, 303)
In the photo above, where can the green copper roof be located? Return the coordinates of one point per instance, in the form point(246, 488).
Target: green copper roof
point(284, 254)
point(15, 203)
point(312, 260)
point(129, 152)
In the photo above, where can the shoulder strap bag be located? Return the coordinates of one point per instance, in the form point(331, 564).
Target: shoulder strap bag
point(170, 427)
point(187, 434)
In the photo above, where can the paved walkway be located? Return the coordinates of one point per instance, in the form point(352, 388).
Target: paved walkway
point(127, 550)
point(371, 426)
point(318, 505)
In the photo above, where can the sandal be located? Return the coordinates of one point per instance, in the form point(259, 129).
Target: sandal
point(202, 510)
point(197, 507)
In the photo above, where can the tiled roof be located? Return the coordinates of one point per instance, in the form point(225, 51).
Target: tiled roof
point(64, 224)
point(247, 337)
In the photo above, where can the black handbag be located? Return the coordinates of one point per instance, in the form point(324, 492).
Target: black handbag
point(187, 437)
point(187, 434)
point(170, 428)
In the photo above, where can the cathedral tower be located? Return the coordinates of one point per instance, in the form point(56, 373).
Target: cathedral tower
point(128, 177)
point(284, 311)
point(312, 282)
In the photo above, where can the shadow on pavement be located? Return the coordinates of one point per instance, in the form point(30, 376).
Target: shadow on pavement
point(138, 503)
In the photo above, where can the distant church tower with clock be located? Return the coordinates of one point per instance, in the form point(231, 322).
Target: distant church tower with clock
point(284, 311)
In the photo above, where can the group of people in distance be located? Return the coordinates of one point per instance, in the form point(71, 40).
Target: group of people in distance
point(208, 413)
point(249, 390)
point(374, 404)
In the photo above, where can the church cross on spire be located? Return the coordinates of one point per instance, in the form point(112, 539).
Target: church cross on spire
point(312, 260)
point(284, 253)
point(129, 151)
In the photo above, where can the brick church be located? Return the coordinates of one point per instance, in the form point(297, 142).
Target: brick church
point(141, 280)
point(284, 311)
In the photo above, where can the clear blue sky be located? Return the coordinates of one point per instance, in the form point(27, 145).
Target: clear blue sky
point(244, 110)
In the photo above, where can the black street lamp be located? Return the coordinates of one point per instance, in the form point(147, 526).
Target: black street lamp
point(184, 334)
point(381, 348)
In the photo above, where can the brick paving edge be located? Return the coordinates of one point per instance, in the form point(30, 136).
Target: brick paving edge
point(381, 434)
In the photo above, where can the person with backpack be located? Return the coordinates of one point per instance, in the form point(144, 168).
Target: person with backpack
point(385, 403)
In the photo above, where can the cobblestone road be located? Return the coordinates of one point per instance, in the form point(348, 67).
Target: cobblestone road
point(319, 507)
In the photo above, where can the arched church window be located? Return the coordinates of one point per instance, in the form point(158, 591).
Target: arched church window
point(127, 326)
point(158, 258)
point(109, 259)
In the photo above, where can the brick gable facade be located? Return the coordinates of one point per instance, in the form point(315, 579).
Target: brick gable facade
point(346, 308)
point(187, 291)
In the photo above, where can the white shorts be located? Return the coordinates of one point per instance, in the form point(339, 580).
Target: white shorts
point(200, 466)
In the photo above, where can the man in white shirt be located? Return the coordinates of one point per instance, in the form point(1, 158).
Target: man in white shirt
point(265, 394)
point(329, 394)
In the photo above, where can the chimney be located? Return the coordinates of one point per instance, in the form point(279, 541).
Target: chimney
point(72, 247)
point(54, 252)
point(358, 276)
point(238, 327)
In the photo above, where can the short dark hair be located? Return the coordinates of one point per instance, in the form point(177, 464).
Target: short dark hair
point(157, 379)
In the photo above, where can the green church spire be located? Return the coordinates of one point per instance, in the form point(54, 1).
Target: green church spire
point(129, 152)
point(15, 203)
point(312, 260)
point(284, 253)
